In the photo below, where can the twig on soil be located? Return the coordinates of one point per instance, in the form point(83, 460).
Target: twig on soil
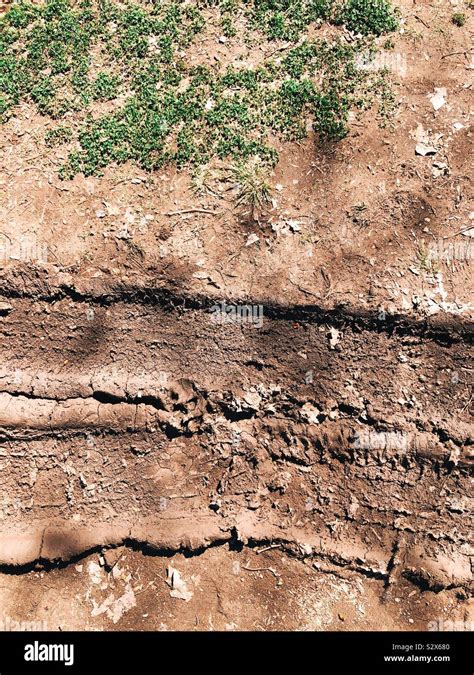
point(278, 49)
point(445, 56)
point(189, 496)
point(267, 548)
point(468, 403)
point(61, 189)
point(120, 182)
point(328, 281)
point(178, 213)
point(418, 18)
point(261, 569)
point(465, 229)
point(143, 590)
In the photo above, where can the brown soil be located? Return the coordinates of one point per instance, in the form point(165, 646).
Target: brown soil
point(309, 474)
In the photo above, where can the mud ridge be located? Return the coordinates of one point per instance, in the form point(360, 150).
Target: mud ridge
point(64, 417)
point(53, 553)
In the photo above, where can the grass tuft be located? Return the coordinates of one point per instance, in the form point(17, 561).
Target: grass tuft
point(251, 184)
point(458, 19)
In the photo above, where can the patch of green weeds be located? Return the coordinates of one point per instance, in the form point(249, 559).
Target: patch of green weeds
point(286, 19)
point(228, 27)
point(367, 16)
point(459, 19)
point(104, 87)
point(174, 112)
point(58, 136)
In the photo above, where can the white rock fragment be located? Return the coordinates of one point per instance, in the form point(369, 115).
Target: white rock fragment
point(426, 143)
point(439, 169)
point(95, 572)
point(115, 609)
point(334, 337)
point(310, 413)
point(112, 209)
point(294, 225)
point(424, 150)
point(253, 238)
point(178, 586)
point(124, 604)
point(438, 99)
point(253, 399)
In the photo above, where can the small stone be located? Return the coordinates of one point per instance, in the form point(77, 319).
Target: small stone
point(424, 150)
point(254, 504)
point(253, 238)
point(440, 169)
point(438, 99)
point(111, 557)
point(294, 225)
point(334, 337)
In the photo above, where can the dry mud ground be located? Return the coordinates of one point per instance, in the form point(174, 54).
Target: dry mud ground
point(163, 471)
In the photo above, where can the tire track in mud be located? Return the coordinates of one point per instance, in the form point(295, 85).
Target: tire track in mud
point(24, 284)
point(147, 424)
